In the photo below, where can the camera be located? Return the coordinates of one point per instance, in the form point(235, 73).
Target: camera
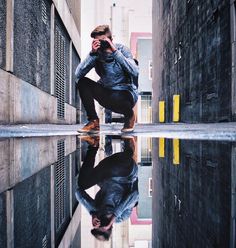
point(104, 44)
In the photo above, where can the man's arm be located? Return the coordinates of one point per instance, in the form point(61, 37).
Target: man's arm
point(85, 66)
point(124, 209)
point(85, 200)
point(125, 59)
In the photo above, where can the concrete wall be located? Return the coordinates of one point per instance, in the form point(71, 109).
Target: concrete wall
point(23, 103)
point(144, 55)
point(75, 7)
point(192, 58)
point(27, 49)
point(21, 158)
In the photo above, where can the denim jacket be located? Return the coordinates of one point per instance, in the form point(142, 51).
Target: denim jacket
point(117, 70)
point(117, 196)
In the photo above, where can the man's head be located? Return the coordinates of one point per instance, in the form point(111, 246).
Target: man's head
point(103, 231)
point(100, 31)
point(102, 235)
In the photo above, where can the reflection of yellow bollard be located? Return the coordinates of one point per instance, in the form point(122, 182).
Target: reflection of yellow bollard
point(176, 152)
point(161, 111)
point(161, 147)
point(176, 108)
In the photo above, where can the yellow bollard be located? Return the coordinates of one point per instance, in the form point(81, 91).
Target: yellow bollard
point(176, 108)
point(161, 147)
point(161, 111)
point(176, 151)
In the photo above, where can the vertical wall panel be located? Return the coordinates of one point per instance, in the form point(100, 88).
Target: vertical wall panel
point(2, 34)
point(61, 70)
point(32, 211)
point(75, 62)
point(62, 203)
point(3, 221)
point(32, 42)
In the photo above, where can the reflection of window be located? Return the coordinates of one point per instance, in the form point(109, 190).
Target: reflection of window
point(146, 151)
point(150, 187)
point(146, 107)
point(150, 69)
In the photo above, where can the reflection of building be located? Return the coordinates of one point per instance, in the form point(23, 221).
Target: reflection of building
point(137, 229)
point(194, 196)
point(193, 56)
point(38, 202)
point(39, 51)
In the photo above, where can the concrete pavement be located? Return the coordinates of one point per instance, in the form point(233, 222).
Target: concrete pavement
point(214, 131)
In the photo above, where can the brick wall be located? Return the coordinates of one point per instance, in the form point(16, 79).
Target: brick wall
point(194, 56)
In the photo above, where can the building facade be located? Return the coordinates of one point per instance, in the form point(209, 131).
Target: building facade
point(39, 51)
point(194, 60)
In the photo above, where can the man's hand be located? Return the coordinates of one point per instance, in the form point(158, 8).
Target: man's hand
point(95, 45)
point(112, 46)
point(107, 227)
point(95, 221)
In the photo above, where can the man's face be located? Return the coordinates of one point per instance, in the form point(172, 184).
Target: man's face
point(101, 37)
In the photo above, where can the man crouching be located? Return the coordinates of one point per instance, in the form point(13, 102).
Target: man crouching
point(116, 89)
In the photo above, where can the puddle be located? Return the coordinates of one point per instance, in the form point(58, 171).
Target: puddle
point(130, 191)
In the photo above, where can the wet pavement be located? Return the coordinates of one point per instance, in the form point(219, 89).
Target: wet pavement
point(132, 191)
point(212, 131)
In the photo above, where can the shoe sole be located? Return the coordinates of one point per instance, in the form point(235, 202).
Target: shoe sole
point(92, 132)
point(127, 130)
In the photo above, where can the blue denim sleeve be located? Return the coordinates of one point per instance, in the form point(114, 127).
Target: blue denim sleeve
point(83, 198)
point(84, 67)
point(125, 59)
point(123, 211)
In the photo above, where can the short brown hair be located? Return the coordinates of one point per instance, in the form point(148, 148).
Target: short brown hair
point(100, 30)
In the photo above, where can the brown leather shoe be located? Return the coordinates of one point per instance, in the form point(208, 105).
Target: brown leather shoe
point(129, 124)
point(92, 141)
point(91, 127)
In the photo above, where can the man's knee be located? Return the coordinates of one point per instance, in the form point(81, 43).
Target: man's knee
point(84, 82)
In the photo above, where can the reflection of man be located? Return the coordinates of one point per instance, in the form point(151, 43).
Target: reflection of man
point(117, 87)
point(117, 178)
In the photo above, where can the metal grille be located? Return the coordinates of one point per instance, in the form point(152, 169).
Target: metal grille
point(146, 109)
point(60, 185)
point(44, 12)
point(44, 242)
point(60, 72)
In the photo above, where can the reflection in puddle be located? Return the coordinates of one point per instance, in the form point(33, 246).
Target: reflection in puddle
point(114, 204)
point(194, 196)
point(134, 192)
